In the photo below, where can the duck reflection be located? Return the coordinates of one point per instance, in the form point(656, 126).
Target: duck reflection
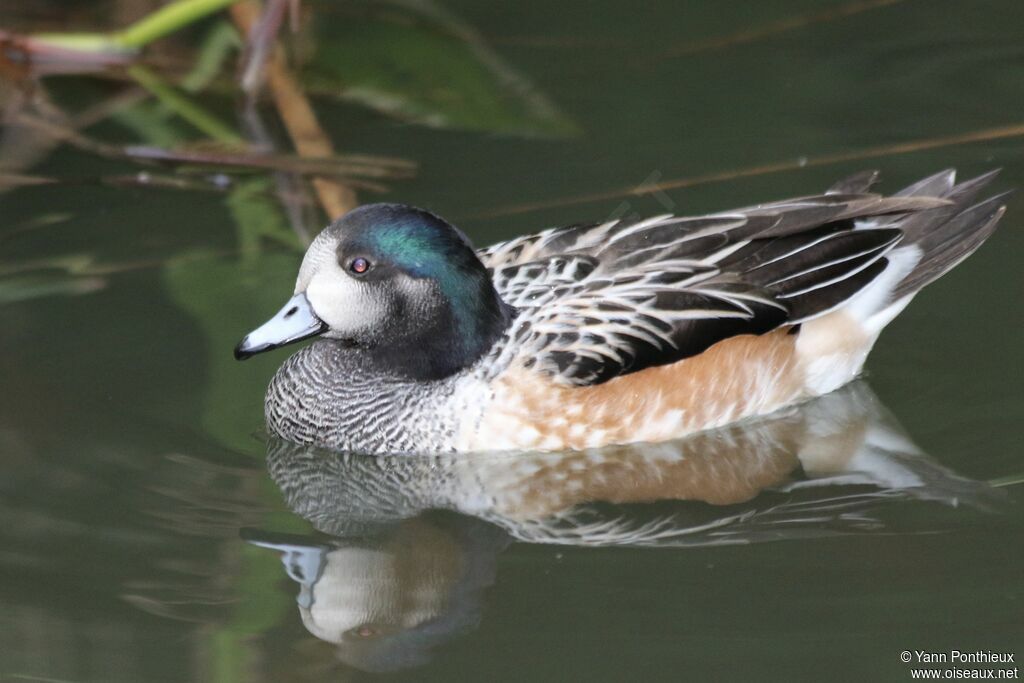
point(386, 599)
point(392, 577)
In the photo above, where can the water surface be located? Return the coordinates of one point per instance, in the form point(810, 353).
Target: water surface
point(146, 517)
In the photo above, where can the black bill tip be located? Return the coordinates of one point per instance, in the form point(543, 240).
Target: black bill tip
point(244, 351)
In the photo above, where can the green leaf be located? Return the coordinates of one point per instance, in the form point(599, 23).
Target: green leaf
point(228, 297)
point(258, 216)
point(425, 69)
point(218, 45)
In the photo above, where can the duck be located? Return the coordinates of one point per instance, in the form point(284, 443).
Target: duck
point(605, 333)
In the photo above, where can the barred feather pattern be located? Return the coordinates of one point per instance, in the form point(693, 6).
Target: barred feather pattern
point(599, 301)
point(330, 395)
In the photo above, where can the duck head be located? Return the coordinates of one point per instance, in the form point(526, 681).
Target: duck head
point(397, 283)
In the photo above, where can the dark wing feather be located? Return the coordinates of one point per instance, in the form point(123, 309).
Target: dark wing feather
point(601, 300)
point(601, 326)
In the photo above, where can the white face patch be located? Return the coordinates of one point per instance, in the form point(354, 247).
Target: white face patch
point(320, 253)
point(350, 307)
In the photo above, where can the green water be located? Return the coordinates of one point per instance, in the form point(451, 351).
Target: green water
point(136, 498)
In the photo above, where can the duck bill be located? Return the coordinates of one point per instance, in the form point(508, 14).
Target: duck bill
point(295, 322)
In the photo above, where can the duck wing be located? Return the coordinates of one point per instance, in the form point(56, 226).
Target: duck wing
point(598, 301)
point(761, 221)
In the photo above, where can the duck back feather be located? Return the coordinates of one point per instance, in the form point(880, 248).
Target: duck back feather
point(597, 301)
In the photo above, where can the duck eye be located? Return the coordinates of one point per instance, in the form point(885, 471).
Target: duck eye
point(359, 265)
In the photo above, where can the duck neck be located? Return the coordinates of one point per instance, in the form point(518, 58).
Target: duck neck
point(336, 397)
point(444, 345)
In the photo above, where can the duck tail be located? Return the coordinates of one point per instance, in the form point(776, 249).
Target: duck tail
point(834, 345)
point(934, 241)
point(948, 235)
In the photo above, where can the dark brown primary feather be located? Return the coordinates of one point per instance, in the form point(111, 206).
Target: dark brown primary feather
point(601, 300)
point(953, 233)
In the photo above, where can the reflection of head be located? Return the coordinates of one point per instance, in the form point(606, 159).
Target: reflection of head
point(385, 602)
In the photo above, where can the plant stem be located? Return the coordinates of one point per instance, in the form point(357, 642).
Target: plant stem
point(299, 119)
point(166, 20)
point(184, 107)
point(163, 21)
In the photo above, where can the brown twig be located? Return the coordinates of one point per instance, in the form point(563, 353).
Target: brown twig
point(38, 118)
point(12, 180)
point(773, 28)
point(298, 117)
point(361, 165)
point(84, 265)
point(98, 112)
point(558, 42)
point(1011, 131)
point(337, 166)
point(261, 45)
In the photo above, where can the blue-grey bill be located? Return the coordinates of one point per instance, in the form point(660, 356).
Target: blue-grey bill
point(295, 322)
